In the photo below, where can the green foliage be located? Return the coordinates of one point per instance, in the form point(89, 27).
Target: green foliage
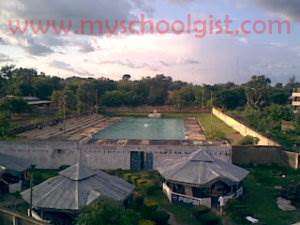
point(248, 140)
point(107, 213)
point(184, 97)
point(256, 91)
point(147, 222)
point(14, 105)
point(4, 124)
point(268, 121)
point(205, 216)
point(150, 204)
point(231, 98)
point(160, 217)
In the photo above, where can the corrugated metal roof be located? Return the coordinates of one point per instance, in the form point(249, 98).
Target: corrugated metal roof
point(8, 162)
point(76, 187)
point(78, 172)
point(200, 169)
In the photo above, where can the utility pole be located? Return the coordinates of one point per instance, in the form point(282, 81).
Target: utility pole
point(31, 194)
point(96, 106)
point(202, 98)
point(64, 109)
point(212, 105)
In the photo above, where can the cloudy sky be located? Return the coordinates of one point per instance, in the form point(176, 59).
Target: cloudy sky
point(210, 59)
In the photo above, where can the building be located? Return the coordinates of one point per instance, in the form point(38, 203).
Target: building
point(296, 100)
point(60, 198)
point(13, 173)
point(201, 179)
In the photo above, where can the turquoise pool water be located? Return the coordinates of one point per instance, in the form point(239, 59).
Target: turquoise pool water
point(144, 129)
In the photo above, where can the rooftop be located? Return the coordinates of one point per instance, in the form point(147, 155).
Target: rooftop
point(201, 168)
point(76, 187)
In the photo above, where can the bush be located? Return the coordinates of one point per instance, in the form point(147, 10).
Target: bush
point(200, 211)
point(160, 217)
point(150, 204)
point(209, 219)
point(141, 181)
point(134, 179)
point(248, 140)
point(153, 189)
point(147, 222)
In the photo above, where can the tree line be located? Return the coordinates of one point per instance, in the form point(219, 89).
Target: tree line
point(256, 98)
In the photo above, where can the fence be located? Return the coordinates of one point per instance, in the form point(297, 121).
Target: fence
point(243, 129)
point(160, 109)
point(265, 155)
point(9, 217)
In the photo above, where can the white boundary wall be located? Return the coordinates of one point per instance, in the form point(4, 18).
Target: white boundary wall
point(243, 129)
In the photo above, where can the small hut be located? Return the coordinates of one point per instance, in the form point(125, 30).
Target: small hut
point(60, 198)
point(13, 173)
point(201, 179)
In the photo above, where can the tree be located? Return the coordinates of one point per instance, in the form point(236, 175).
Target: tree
point(107, 213)
point(184, 97)
point(114, 98)
point(126, 77)
point(14, 105)
point(4, 124)
point(230, 98)
point(256, 91)
point(65, 101)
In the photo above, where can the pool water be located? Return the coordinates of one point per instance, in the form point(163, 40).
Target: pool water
point(144, 129)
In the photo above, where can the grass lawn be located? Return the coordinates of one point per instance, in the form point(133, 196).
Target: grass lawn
point(215, 129)
point(260, 197)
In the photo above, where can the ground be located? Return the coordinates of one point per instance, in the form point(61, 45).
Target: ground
point(260, 196)
point(214, 128)
point(259, 200)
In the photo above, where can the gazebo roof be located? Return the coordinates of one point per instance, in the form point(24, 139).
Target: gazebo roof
point(13, 163)
point(201, 168)
point(76, 187)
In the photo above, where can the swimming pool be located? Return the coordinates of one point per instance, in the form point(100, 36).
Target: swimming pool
point(144, 129)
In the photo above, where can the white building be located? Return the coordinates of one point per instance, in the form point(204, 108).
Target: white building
point(296, 100)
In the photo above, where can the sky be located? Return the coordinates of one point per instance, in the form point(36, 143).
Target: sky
point(212, 58)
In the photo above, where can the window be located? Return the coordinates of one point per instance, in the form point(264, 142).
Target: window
point(200, 192)
point(178, 188)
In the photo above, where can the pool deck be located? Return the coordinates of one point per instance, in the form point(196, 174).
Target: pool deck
point(82, 129)
point(77, 129)
point(193, 129)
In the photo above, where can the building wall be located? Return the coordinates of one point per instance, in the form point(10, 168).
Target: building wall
point(243, 129)
point(265, 155)
point(54, 154)
point(150, 109)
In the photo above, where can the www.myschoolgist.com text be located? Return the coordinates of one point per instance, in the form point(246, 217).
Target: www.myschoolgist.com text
point(199, 28)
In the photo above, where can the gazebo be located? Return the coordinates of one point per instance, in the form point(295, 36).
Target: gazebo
point(13, 173)
point(201, 179)
point(62, 197)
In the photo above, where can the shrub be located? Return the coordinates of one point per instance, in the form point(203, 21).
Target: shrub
point(153, 189)
point(147, 222)
point(209, 219)
point(141, 181)
point(160, 217)
point(248, 140)
point(200, 211)
point(150, 204)
point(134, 179)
